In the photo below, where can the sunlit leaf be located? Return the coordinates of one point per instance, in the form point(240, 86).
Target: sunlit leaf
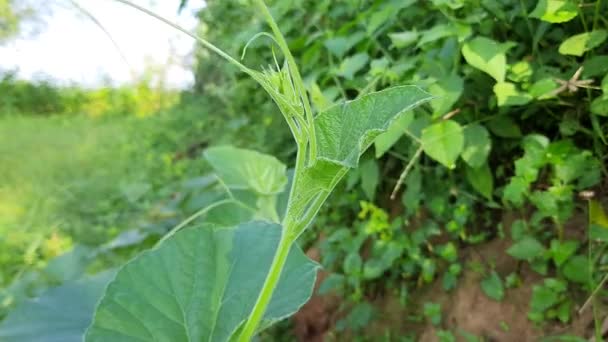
point(555, 11)
point(486, 55)
point(508, 95)
point(579, 44)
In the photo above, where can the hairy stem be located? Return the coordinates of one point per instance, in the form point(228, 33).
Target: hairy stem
point(296, 78)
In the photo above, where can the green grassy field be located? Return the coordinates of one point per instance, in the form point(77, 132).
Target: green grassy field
point(65, 179)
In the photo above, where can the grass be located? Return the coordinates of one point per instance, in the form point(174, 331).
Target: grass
point(72, 178)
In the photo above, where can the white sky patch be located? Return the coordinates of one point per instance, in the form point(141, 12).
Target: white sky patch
point(72, 49)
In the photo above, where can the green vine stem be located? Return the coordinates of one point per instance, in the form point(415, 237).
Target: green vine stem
point(274, 274)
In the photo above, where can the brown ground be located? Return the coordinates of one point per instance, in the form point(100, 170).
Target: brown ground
point(466, 307)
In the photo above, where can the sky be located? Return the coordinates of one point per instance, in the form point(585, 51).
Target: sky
point(70, 48)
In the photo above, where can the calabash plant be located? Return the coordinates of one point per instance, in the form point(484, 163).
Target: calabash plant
point(230, 277)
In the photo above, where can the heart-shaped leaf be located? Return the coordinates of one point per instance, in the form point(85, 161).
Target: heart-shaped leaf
point(443, 142)
point(579, 44)
point(488, 56)
point(247, 169)
point(555, 11)
point(201, 284)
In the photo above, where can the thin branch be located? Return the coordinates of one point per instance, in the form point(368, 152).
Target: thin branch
point(405, 172)
point(94, 19)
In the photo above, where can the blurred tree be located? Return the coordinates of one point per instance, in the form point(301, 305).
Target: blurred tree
point(12, 15)
point(9, 20)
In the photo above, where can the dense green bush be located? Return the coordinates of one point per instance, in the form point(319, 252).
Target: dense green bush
point(520, 125)
point(45, 97)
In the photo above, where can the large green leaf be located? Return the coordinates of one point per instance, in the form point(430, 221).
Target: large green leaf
point(578, 44)
point(200, 285)
point(345, 131)
point(247, 169)
point(443, 142)
point(554, 11)
point(488, 56)
point(61, 314)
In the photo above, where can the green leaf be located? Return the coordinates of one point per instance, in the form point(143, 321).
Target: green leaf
point(577, 269)
point(561, 251)
point(543, 297)
point(386, 140)
point(201, 284)
point(515, 190)
point(403, 39)
point(481, 179)
point(370, 177)
point(443, 142)
point(508, 95)
point(579, 44)
point(60, 314)
point(477, 145)
point(353, 263)
point(542, 89)
point(595, 66)
point(448, 91)
point(339, 46)
point(351, 65)
point(526, 249)
point(381, 18)
point(504, 127)
point(598, 233)
point(432, 311)
point(493, 287)
point(599, 106)
point(247, 169)
point(486, 55)
point(555, 11)
point(345, 131)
